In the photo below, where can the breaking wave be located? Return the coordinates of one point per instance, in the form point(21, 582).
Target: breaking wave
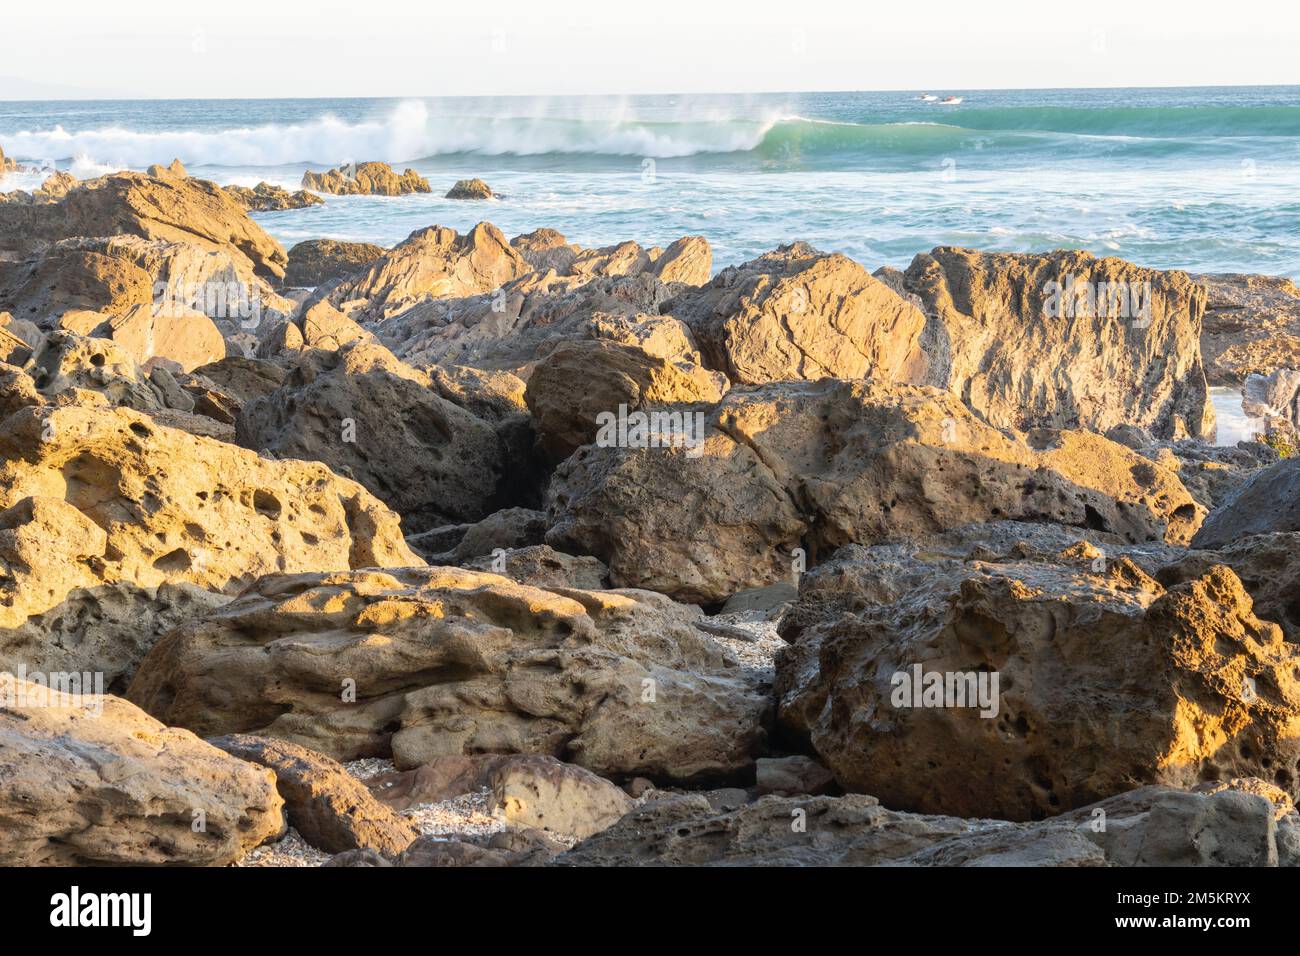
point(411, 133)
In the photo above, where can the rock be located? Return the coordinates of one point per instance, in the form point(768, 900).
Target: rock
point(365, 179)
point(318, 326)
point(318, 261)
point(541, 566)
point(819, 465)
point(798, 314)
point(1275, 396)
point(542, 793)
point(1150, 826)
point(792, 776)
point(182, 276)
point(1025, 353)
point(104, 784)
point(174, 170)
point(615, 378)
point(43, 290)
point(107, 628)
point(512, 328)
point(1078, 684)
point(7, 165)
point(440, 778)
point(56, 186)
point(492, 396)
point(698, 524)
point(765, 599)
point(502, 530)
point(875, 461)
point(688, 260)
point(1210, 473)
point(71, 367)
point(546, 249)
point(365, 414)
point(1268, 502)
point(267, 198)
point(331, 809)
point(100, 496)
point(180, 335)
point(509, 848)
point(444, 661)
point(358, 858)
point(1252, 325)
point(470, 189)
point(1269, 568)
point(431, 263)
point(243, 379)
point(189, 211)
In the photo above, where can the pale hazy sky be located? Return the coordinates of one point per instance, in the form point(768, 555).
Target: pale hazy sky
point(263, 48)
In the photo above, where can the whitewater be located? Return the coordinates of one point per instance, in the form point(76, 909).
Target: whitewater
point(1204, 180)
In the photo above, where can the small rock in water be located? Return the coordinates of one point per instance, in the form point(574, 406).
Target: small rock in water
point(470, 189)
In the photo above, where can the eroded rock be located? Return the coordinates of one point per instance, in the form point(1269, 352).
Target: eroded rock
point(443, 661)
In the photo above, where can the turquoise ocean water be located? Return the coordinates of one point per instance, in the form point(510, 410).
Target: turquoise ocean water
point(1200, 179)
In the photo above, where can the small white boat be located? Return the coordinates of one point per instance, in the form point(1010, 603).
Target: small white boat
point(927, 97)
point(950, 101)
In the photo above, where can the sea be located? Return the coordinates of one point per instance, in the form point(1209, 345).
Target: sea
point(1200, 179)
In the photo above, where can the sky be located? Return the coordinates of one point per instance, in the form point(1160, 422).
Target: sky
point(292, 48)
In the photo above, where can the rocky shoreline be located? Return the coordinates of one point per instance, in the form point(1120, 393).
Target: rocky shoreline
point(478, 551)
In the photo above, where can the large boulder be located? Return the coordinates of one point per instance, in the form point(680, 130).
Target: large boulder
point(1252, 325)
point(542, 793)
point(70, 280)
point(317, 261)
point(1269, 568)
point(365, 179)
point(331, 809)
point(796, 313)
point(97, 782)
point(1269, 502)
point(90, 284)
point(1150, 826)
point(1059, 339)
point(366, 415)
point(180, 336)
point(613, 377)
point(819, 465)
point(1020, 688)
point(699, 523)
point(512, 328)
point(427, 662)
point(187, 210)
point(432, 263)
point(94, 497)
point(688, 260)
point(877, 461)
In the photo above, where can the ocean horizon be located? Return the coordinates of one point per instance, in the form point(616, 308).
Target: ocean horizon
point(1202, 179)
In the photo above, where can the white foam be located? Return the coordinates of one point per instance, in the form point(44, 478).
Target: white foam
point(407, 134)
